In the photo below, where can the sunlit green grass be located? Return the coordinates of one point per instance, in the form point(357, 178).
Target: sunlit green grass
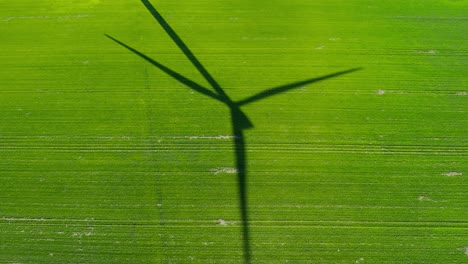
point(104, 159)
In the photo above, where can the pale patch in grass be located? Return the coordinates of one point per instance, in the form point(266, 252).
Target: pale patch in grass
point(452, 174)
point(224, 170)
point(423, 198)
point(464, 250)
point(427, 52)
point(222, 222)
point(360, 260)
point(380, 92)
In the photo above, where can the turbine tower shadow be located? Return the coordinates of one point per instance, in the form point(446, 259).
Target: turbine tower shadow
point(239, 119)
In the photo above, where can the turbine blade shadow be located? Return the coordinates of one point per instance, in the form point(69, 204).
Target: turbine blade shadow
point(241, 166)
point(178, 41)
point(239, 119)
point(191, 84)
point(291, 86)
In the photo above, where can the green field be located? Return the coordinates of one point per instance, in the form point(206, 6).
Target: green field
point(104, 158)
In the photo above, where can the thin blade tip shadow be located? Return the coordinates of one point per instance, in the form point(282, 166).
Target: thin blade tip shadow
point(177, 76)
point(185, 49)
point(284, 88)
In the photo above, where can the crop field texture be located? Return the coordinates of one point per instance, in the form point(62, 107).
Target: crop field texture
point(247, 131)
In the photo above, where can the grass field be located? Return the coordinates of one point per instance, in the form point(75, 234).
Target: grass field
point(104, 158)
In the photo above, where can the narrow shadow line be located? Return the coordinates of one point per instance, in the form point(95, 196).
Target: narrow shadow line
point(241, 166)
point(178, 41)
point(191, 84)
point(287, 87)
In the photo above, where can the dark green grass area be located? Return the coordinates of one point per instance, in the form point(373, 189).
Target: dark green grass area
point(105, 159)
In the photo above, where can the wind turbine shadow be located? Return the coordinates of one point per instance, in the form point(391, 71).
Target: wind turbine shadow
point(239, 119)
